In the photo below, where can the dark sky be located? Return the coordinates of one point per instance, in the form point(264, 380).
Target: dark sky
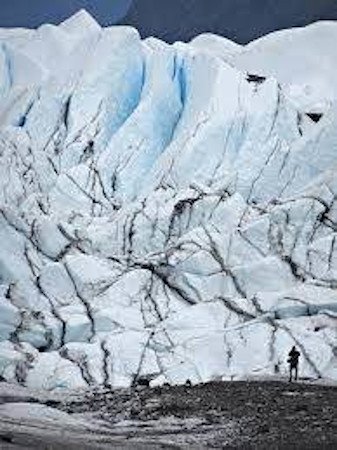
point(239, 20)
point(31, 13)
point(171, 20)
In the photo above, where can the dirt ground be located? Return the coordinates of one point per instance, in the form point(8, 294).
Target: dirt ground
point(227, 415)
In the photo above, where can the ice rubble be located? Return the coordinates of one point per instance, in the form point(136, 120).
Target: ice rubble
point(166, 211)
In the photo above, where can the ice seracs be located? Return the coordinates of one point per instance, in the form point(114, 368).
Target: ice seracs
point(165, 211)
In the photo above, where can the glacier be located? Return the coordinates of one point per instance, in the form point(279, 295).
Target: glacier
point(166, 211)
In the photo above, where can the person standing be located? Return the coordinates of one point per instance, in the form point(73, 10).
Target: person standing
point(293, 358)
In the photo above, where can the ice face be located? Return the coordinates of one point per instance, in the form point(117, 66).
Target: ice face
point(165, 211)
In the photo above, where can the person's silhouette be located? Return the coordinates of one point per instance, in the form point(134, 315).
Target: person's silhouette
point(293, 358)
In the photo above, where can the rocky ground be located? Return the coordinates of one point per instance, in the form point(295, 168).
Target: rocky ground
point(227, 415)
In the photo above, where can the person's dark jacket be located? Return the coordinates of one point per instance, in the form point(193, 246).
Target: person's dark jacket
point(293, 357)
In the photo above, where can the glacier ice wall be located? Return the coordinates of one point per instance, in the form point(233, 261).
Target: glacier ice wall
point(164, 210)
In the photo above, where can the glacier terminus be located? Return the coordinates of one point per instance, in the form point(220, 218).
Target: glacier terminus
point(166, 211)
